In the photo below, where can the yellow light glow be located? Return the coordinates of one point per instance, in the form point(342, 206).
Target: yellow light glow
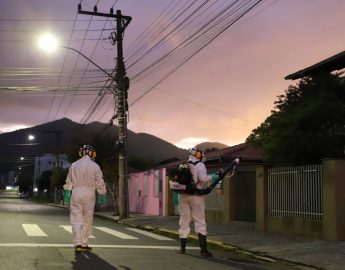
point(48, 42)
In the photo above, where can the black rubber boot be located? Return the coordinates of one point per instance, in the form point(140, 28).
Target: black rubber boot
point(86, 248)
point(78, 249)
point(203, 246)
point(183, 242)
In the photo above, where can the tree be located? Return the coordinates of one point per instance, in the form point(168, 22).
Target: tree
point(58, 177)
point(45, 180)
point(307, 123)
point(24, 182)
point(107, 159)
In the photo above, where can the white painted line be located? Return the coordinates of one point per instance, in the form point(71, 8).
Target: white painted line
point(35, 245)
point(142, 247)
point(33, 230)
point(69, 229)
point(150, 234)
point(115, 233)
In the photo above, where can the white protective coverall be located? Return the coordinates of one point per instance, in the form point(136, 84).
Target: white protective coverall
point(84, 178)
point(194, 205)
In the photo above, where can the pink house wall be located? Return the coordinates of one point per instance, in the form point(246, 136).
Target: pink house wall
point(146, 192)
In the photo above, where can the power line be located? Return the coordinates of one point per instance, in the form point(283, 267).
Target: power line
point(74, 68)
point(48, 20)
point(199, 104)
point(208, 18)
point(207, 42)
point(56, 30)
point(63, 64)
point(93, 52)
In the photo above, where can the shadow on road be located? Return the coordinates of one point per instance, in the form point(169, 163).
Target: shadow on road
point(91, 261)
point(235, 262)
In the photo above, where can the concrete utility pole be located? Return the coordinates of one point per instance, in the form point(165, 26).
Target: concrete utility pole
point(122, 85)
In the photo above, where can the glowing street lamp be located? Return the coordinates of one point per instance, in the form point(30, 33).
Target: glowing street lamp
point(31, 137)
point(48, 42)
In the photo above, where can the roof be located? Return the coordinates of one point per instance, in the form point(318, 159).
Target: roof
point(336, 62)
point(240, 150)
point(131, 170)
point(247, 153)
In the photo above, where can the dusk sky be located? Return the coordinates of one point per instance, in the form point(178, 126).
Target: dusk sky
point(218, 88)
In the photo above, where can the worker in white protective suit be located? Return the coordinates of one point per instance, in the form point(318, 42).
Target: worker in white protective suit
point(194, 205)
point(83, 180)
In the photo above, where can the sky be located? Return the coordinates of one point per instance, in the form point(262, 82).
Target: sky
point(219, 88)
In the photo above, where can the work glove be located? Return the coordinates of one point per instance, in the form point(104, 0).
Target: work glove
point(214, 176)
point(67, 196)
point(101, 199)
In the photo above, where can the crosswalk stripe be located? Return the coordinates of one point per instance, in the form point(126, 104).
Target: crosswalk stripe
point(33, 230)
point(69, 229)
point(115, 233)
point(150, 234)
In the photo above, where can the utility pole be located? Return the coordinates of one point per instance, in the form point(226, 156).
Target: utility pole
point(122, 85)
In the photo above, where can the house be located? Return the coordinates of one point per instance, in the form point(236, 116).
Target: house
point(233, 199)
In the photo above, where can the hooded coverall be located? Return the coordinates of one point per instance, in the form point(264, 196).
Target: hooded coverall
point(84, 178)
point(194, 205)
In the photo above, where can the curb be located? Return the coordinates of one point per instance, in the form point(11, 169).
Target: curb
point(57, 205)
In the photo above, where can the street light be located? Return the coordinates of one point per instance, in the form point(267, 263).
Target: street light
point(31, 137)
point(49, 44)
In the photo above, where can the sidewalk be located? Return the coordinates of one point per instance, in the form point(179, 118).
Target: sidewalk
point(244, 237)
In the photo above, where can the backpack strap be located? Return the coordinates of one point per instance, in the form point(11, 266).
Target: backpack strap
point(193, 162)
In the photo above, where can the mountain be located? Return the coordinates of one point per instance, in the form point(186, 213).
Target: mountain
point(63, 134)
point(207, 146)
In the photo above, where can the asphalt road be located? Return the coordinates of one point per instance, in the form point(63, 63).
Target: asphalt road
point(38, 236)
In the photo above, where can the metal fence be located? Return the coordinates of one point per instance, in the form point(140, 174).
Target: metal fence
point(295, 192)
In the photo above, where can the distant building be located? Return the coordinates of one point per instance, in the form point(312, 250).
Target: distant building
point(11, 175)
point(8, 178)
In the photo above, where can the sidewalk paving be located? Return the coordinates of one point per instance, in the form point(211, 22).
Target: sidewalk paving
point(244, 237)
